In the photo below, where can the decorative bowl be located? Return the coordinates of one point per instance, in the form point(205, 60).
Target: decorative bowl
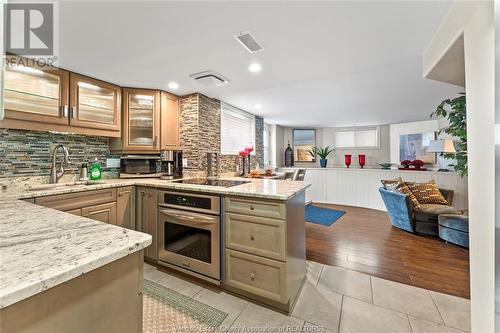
point(386, 166)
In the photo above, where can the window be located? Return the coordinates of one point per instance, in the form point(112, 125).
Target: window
point(237, 129)
point(366, 137)
point(303, 141)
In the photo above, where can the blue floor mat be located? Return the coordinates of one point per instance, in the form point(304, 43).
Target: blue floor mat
point(323, 216)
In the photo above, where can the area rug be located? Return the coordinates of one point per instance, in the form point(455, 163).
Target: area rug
point(323, 216)
point(165, 310)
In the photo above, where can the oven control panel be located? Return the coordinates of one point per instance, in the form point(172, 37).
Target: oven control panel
point(190, 201)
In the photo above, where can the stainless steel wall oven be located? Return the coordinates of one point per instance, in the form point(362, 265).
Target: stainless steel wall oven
point(190, 232)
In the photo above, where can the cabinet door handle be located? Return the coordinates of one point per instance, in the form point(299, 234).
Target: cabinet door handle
point(73, 112)
point(65, 111)
point(252, 237)
point(120, 194)
point(252, 276)
point(155, 140)
point(252, 207)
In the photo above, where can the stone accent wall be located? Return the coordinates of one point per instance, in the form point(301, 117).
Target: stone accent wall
point(200, 134)
point(28, 153)
point(189, 131)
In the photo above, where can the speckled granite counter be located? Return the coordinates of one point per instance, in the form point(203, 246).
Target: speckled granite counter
point(41, 248)
point(256, 188)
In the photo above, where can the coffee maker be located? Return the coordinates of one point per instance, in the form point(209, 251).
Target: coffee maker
point(171, 164)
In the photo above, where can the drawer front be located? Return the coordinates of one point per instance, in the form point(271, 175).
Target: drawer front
point(259, 276)
point(256, 235)
point(76, 200)
point(274, 210)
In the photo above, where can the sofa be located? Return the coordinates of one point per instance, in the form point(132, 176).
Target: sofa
point(423, 220)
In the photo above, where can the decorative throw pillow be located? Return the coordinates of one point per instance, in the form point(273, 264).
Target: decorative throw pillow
point(403, 188)
point(427, 193)
point(391, 184)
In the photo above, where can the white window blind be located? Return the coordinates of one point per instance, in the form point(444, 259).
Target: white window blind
point(357, 138)
point(237, 129)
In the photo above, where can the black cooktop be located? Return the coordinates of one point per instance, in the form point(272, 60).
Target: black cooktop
point(211, 182)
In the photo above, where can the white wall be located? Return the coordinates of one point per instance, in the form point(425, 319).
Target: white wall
point(474, 20)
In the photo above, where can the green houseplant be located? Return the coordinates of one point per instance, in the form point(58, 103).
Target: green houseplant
point(322, 153)
point(454, 109)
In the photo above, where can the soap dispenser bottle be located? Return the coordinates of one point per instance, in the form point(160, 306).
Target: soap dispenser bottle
point(95, 170)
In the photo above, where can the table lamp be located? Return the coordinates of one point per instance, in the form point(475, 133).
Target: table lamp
point(442, 146)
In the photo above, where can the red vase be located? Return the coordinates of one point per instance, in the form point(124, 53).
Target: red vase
point(347, 159)
point(362, 160)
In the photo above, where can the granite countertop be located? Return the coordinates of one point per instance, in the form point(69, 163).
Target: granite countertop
point(255, 188)
point(42, 247)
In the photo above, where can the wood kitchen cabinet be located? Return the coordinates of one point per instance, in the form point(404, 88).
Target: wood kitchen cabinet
point(169, 128)
point(125, 207)
point(53, 99)
point(36, 96)
point(147, 218)
point(94, 104)
point(141, 121)
point(105, 213)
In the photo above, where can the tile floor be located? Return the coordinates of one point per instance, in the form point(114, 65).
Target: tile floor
point(334, 299)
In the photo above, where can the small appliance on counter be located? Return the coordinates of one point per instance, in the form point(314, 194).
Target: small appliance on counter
point(171, 164)
point(144, 166)
point(166, 165)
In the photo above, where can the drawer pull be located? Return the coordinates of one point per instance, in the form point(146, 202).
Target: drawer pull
point(186, 264)
point(252, 276)
point(252, 237)
point(252, 207)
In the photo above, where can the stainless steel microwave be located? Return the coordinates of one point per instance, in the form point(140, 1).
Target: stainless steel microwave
point(134, 166)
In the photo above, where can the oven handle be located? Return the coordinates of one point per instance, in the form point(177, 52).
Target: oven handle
point(190, 217)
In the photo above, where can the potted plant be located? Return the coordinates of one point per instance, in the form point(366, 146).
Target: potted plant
point(322, 153)
point(454, 109)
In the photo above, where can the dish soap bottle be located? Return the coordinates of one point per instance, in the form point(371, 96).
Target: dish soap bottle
point(95, 170)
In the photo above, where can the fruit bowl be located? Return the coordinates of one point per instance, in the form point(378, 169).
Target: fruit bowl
point(386, 166)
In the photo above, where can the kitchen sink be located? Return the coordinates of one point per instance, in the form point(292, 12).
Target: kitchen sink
point(63, 185)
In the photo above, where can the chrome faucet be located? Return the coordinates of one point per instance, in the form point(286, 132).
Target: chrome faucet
point(58, 172)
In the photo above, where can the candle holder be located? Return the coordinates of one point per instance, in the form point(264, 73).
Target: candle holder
point(362, 160)
point(347, 159)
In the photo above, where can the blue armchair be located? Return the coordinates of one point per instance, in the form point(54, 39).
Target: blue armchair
point(423, 220)
point(399, 209)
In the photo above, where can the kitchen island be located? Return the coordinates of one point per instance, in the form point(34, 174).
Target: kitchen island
point(65, 273)
point(262, 247)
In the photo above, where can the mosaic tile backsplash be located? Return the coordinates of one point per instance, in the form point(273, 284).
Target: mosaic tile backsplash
point(28, 153)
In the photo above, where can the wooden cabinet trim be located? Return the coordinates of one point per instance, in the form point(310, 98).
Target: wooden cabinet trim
point(73, 90)
point(170, 122)
point(76, 200)
point(262, 208)
point(259, 276)
point(107, 211)
point(45, 119)
point(256, 235)
point(156, 120)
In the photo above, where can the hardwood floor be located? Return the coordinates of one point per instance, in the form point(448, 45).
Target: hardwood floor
point(364, 240)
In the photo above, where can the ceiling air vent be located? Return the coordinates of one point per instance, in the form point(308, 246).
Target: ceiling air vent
point(209, 78)
point(248, 41)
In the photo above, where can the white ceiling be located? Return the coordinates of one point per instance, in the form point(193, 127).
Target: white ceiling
point(324, 63)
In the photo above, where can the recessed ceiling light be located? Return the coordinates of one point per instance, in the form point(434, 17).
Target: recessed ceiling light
point(173, 85)
point(258, 106)
point(254, 68)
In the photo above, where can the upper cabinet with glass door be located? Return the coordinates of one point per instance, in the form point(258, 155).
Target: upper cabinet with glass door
point(141, 110)
point(94, 104)
point(36, 95)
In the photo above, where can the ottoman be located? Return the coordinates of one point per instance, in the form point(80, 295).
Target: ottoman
point(454, 228)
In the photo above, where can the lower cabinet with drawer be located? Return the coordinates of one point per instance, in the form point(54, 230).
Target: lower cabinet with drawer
point(264, 249)
point(110, 205)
